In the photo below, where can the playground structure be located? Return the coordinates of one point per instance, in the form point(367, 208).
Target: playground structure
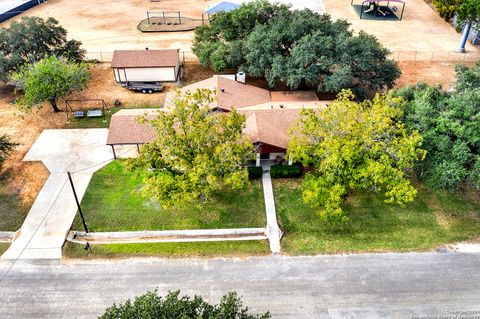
point(376, 8)
point(167, 21)
point(99, 108)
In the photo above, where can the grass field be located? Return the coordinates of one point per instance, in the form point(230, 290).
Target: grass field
point(113, 202)
point(200, 249)
point(12, 213)
point(3, 247)
point(435, 218)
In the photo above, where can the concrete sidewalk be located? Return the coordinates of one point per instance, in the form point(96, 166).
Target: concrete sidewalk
point(80, 151)
point(273, 231)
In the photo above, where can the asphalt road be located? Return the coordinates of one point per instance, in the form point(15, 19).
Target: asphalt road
point(351, 286)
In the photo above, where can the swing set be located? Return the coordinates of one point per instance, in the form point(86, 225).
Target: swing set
point(99, 110)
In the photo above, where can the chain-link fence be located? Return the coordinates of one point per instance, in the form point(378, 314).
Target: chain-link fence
point(435, 56)
point(107, 56)
point(420, 56)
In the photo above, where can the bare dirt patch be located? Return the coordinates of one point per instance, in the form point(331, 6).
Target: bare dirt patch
point(430, 72)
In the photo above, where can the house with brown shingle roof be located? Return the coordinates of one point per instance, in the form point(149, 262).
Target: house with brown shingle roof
point(234, 94)
point(145, 65)
point(269, 114)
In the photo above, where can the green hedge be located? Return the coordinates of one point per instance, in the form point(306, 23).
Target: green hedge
point(286, 171)
point(255, 172)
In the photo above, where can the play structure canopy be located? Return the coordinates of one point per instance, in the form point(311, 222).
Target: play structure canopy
point(223, 6)
point(366, 3)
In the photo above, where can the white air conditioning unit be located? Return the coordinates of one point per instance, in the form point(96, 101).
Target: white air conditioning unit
point(241, 76)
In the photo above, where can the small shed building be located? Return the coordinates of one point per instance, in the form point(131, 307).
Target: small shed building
point(146, 65)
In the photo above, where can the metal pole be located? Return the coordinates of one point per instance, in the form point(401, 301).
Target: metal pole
point(179, 18)
point(463, 40)
point(113, 150)
point(78, 204)
point(148, 18)
point(403, 9)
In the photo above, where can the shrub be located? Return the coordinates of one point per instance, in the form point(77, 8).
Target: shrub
point(255, 172)
point(151, 305)
point(286, 171)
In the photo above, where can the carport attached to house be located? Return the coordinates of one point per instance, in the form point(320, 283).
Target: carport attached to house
point(125, 128)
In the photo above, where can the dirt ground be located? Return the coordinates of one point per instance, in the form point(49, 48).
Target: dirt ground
point(110, 25)
point(421, 28)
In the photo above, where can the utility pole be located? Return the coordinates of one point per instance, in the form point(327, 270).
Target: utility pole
point(78, 203)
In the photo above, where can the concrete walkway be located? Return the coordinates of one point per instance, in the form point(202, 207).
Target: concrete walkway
point(168, 236)
point(80, 151)
point(273, 231)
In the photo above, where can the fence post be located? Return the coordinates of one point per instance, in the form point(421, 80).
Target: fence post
point(101, 57)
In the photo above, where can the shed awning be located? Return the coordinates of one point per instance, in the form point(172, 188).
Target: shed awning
point(223, 6)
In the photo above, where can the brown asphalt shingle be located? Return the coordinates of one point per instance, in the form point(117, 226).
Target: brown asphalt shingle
point(144, 58)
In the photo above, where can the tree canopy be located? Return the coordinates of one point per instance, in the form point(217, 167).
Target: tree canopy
point(450, 125)
point(151, 305)
point(6, 147)
point(296, 47)
point(196, 152)
point(355, 146)
point(468, 11)
point(32, 39)
point(49, 80)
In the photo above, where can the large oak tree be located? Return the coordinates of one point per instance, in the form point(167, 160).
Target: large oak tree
point(295, 47)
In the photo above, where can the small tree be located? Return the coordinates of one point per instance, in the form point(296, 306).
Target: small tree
point(49, 80)
point(151, 305)
point(355, 146)
point(6, 146)
point(30, 40)
point(195, 152)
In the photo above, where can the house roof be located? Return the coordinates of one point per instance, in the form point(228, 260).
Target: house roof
point(125, 129)
point(270, 126)
point(144, 58)
point(232, 94)
point(223, 6)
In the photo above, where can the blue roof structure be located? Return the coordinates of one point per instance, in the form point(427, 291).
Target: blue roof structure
point(223, 6)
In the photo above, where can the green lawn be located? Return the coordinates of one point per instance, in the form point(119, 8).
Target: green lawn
point(199, 249)
point(435, 218)
point(113, 203)
point(93, 122)
point(3, 247)
point(12, 213)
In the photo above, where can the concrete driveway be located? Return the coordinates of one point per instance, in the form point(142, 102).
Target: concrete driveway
point(370, 286)
point(80, 151)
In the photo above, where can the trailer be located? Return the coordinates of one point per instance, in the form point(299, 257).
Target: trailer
point(145, 87)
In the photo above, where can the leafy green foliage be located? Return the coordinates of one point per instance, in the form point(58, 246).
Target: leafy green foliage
point(151, 305)
point(355, 146)
point(49, 80)
point(447, 8)
point(6, 146)
point(32, 39)
point(195, 152)
point(286, 171)
point(298, 48)
point(467, 77)
point(255, 172)
point(468, 11)
point(450, 126)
